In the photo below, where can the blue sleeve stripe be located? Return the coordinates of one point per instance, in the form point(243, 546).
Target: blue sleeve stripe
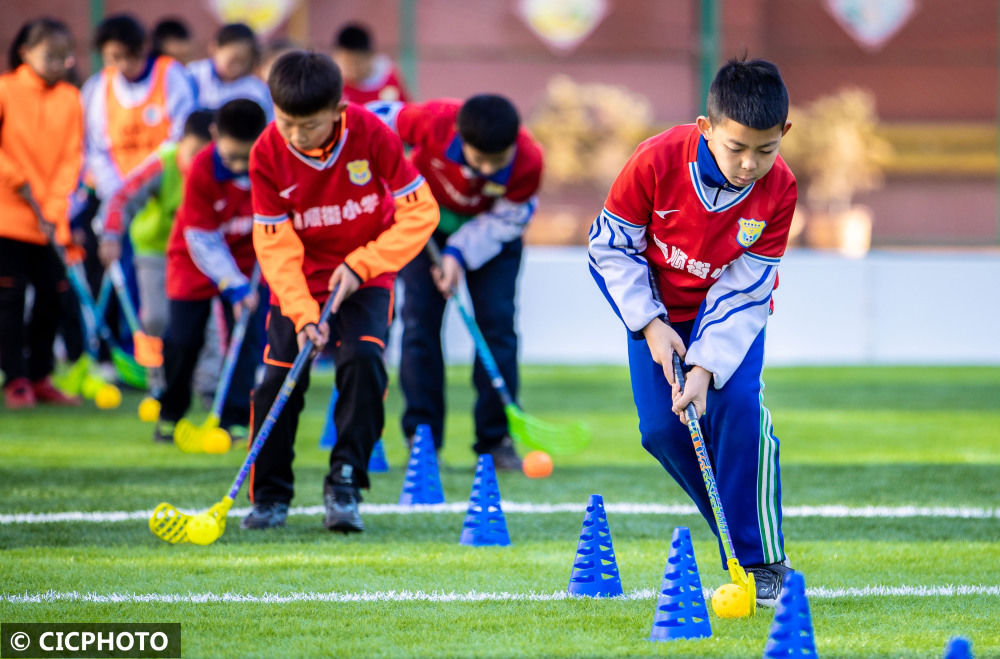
point(270, 219)
point(701, 330)
point(763, 278)
point(766, 260)
point(620, 220)
point(604, 289)
point(411, 187)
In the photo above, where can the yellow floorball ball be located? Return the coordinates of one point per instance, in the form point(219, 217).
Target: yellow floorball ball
point(731, 601)
point(108, 397)
point(149, 409)
point(202, 529)
point(216, 440)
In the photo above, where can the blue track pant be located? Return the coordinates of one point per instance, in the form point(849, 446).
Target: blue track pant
point(741, 445)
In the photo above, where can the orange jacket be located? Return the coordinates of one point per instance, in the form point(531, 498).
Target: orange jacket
point(41, 143)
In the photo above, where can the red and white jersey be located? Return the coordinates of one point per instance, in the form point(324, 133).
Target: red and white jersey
point(491, 209)
point(710, 249)
point(336, 202)
point(432, 131)
point(384, 84)
point(210, 245)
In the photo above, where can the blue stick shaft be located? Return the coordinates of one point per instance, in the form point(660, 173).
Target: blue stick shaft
point(482, 348)
point(706, 466)
point(118, 280)
point(279, 403)
point(233, 353)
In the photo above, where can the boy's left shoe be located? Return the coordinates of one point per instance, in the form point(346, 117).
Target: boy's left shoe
point(341, 498)
point(46, 392)
point(769, 580)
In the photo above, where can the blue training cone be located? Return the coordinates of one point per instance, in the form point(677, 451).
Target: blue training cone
point(680, 609)
point(329, 437)
point(958, 648)
point(792, 631)
point(377, 462)
point(595, 570)
point(485, 524)
point(422, 484)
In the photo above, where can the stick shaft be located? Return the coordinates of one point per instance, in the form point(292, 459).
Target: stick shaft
point(482, 348)
point(698, 439)
point(118, 281)
point(287, 387)
point(233, 352)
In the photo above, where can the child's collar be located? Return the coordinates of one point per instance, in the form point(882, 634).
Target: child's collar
point(323, 152)
point(711, 175)
point(454, 153)
point(220, 171)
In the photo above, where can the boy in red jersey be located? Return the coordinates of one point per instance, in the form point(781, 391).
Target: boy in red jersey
point(484, 170)
point(336, 207)
point(367, 76)
point(686, 251)
point(209, 253)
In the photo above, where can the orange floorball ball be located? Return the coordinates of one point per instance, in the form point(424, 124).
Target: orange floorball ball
point(537, 464)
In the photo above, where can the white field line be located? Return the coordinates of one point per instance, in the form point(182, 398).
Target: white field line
point(854, 512)
point(51, 596)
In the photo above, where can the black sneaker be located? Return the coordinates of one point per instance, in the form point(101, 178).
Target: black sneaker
point(341, 498)
point(164, 432)
point(769, 580)
point(266, 515)
point(505, 457)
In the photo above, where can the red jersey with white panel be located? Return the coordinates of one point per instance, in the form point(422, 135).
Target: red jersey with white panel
point(485, 211)
point(432, 131)
point(336, 204)
point(210, 247)
point(710, 249)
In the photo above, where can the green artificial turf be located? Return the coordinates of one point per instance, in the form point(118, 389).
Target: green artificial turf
point(849, 436)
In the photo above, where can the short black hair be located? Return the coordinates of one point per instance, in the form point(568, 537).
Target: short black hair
point(33, 33)
point(198, 124)
point(241, 119)
point(170, 28)
point(123, 28)
point(750, 92)
point(488, 123)
point(303, 83)
point(237, 33)
point(354, 36)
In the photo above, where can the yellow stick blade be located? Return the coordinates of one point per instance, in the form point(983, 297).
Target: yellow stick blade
point(188, 437)
point(168, 523)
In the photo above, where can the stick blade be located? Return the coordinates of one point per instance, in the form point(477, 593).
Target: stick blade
point(563, 439)
point(188, 437)
point(169, 524)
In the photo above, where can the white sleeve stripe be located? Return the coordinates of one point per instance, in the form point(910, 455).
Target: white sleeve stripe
point(620, 220)
point(409, 188)
point(270, 219)
point(767, 260)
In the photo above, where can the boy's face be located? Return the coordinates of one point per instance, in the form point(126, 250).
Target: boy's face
point(180, 49)
point(234, 153)
point(50, 58)
point(487, 164)
point(354, 65)
point(116, 55)
point(234, 60)
point(744, 154)
point(187, 149)
point(309, 132)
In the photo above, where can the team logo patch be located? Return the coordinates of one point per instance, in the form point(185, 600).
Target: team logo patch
point(750, 231)
point(152, 115)
point(492, 189)
point(359, 172)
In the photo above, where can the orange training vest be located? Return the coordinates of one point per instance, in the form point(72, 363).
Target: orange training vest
point(134, 133)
